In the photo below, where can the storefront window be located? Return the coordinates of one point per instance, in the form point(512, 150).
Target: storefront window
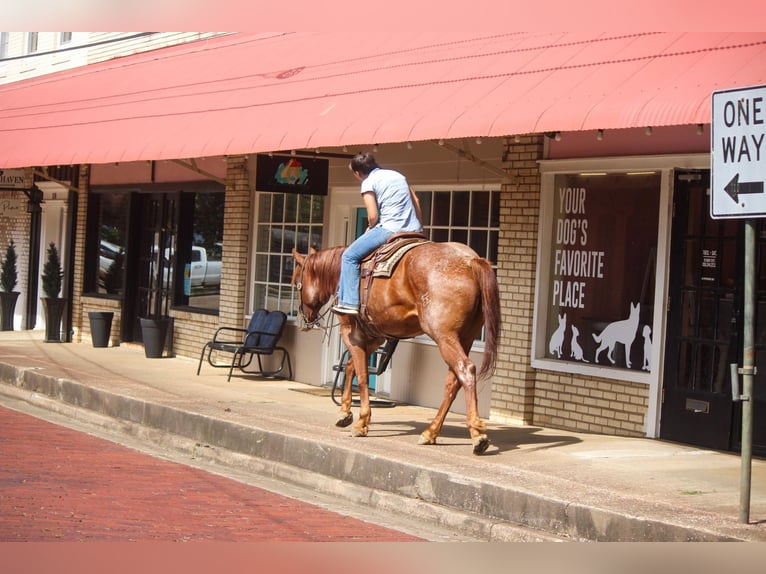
point(599, 289)
point(106, 245)
point(202, 260)
point(284, 221)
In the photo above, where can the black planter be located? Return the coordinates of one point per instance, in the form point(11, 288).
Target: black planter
point(154, 332)
point(7, 308)
point(54, 311)
point(100, 327)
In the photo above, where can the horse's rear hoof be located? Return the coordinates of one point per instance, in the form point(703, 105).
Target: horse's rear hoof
point(480, 444)
point(344, 420)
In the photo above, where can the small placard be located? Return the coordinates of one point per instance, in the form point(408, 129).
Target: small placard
point(11, 208)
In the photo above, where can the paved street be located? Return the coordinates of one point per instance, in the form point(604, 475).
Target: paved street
point(60, 484)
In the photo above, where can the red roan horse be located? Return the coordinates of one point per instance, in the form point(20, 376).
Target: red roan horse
point(444, 290)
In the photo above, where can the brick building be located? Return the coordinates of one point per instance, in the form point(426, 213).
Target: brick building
point(578, 165)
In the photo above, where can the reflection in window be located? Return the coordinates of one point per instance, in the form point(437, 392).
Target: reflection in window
point(108, 224)
point(202, 282)
point(284, 221)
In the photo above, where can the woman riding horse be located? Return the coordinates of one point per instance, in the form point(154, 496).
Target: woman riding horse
point(444, 290)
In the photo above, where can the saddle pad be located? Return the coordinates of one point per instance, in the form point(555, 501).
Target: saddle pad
point(386, 267)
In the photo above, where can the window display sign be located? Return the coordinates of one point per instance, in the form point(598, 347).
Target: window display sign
point(601, 279)
point(289, 174)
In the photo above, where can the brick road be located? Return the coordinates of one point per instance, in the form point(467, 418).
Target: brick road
point(59, 484)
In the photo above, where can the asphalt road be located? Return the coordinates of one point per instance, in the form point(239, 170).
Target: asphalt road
point(60, 484)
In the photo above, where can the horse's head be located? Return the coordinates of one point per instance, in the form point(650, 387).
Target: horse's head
point(308, 289)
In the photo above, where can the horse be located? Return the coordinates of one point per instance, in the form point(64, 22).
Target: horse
point(444, 290)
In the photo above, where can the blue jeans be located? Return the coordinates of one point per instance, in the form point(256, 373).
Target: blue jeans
point(348, 292)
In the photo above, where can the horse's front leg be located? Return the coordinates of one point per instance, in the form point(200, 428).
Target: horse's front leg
point(345, 416)
point(362, 425)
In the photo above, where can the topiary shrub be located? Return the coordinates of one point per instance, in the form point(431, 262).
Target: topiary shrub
point(52, 273)
point(8, 276)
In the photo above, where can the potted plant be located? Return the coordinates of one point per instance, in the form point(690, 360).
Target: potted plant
point(52, 303)
point(8, 296)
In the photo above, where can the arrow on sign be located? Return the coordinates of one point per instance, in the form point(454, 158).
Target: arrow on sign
point(734, 188)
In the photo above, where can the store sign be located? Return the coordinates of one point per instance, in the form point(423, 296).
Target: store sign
point(738, 153)
point(289, 174)
point(12, 179)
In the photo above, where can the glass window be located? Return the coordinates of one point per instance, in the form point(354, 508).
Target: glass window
point(107, 242)
point(65, 38)
point(465, 216)
point(283, 221)
point(470, 217)
point(3, 44)
point(32, 42)
point(602, 246)
point(200, 249)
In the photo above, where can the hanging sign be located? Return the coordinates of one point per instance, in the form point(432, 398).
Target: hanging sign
point(12, 179)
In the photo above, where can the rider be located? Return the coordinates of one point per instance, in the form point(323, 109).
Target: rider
point(392, 207)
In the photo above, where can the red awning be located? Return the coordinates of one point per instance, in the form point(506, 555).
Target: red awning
point(247, 93)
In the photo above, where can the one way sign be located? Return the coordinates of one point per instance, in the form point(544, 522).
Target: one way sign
point(738, 153)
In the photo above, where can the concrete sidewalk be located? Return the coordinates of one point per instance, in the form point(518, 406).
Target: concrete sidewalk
point(570, 485)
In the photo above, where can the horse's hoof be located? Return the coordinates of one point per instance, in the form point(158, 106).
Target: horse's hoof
point(357, 433)
point(344, 419)
point(423, 439)
point(480, 444)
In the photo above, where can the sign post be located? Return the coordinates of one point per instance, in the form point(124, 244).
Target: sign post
point(738, 174)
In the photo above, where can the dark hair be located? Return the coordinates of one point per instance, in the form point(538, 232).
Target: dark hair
point(363, 163)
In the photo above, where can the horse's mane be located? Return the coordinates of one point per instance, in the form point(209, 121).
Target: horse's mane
point(324, 267)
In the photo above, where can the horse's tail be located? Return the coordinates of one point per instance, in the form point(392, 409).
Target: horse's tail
point(490, 304)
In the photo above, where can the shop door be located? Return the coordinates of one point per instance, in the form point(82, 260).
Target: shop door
point(704, 323)
point(153, 229)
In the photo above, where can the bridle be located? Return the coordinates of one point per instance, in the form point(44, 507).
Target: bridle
point(320, 316)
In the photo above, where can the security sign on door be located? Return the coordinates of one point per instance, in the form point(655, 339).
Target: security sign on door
point(738, 153)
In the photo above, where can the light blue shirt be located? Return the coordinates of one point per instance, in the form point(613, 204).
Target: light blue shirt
point(392, 192)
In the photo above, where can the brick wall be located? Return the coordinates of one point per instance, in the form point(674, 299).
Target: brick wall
point(514, 380)
point(590, 404)
point(79, 260)
point(521, 394)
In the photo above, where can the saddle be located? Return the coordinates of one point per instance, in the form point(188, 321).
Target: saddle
point(383, 261)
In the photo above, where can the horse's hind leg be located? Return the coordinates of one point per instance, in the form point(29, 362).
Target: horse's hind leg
point(462, 373)
point(451, 387)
